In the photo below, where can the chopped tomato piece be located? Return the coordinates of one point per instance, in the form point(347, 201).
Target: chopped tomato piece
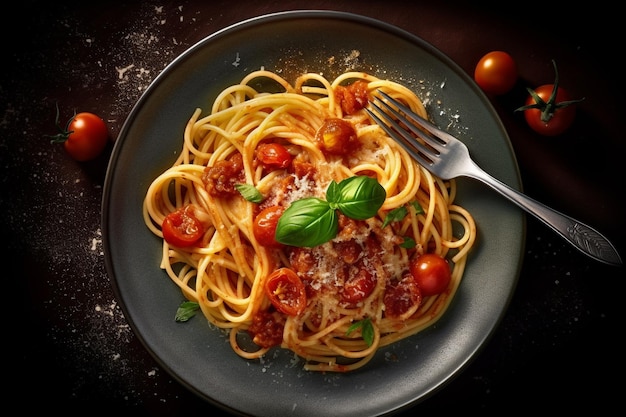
point(359, 286)
point(220, 179)
point(353, 97)
point(267, 329)
point(402, 298)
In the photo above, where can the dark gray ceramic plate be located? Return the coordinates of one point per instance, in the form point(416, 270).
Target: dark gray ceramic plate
point(290, 43)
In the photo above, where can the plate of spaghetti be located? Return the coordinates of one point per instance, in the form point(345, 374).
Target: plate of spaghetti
point(276, 252)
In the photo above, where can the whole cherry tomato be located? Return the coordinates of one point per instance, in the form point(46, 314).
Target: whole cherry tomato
point(496, 72)
point(549, 109)
point(264, 226)
point(286, 291)
point(182, 228)
point(336, 137)
point(84, 137)
point(431, 272)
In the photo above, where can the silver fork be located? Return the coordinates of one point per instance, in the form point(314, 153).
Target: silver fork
point(447, 157)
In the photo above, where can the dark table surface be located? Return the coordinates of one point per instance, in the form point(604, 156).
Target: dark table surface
point(557, 346)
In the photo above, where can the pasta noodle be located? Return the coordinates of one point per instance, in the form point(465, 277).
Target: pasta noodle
point(227, 269)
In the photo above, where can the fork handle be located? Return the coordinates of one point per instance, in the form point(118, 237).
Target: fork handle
point(581, 236)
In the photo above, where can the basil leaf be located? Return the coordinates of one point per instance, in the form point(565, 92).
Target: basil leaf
point(408, 243)
point(395, 215)
point(417, 206)
point(249, 192)
point(359, 197)
point(332, 192)
point(307, 222)
point(367, 330)
point(186, 310)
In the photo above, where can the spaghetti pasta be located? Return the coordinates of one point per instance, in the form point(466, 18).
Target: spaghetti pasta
point(266, 144)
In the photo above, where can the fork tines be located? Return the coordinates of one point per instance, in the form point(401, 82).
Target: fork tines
point(406, 128)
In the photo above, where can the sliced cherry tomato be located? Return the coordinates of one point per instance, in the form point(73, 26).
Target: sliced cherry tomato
point(337, 137)
point(549, 110)
point(431, 272)
point(496, 72)
point(182, 228)
point(286, 291)
point(85, 136)
point(264, 226)
point(273, 155)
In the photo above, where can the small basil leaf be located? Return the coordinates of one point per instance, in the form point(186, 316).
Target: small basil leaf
point(249, 192)
point(307, 222)
point(360, 197)
point(408, 243)
point(186, 310)
point(367, 330)
point(417, 206)
point(395, 215)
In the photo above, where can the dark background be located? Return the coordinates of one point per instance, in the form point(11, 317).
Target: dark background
point(70, 347)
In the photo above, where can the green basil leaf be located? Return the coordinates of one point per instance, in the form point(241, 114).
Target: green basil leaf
point(367, 330)
point(408, 243)
point(417, 206)
point(395, 215)
point(186, 310)
point(332, 192)
point(249, 192)
point(359, 197)
point(307, 222)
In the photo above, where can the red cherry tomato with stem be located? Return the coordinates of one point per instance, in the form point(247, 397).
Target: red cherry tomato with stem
point(549, 109)
point(84, 137)
point(496, 72)
point(286, 291)
point(431, 272)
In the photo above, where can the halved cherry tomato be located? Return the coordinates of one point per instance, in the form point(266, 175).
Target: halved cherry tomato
point(85, 136)
point(273, 155)
point(264, 226)
point(496, 72)
point(182, 228)
point(286, 291)
point(431, 272)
